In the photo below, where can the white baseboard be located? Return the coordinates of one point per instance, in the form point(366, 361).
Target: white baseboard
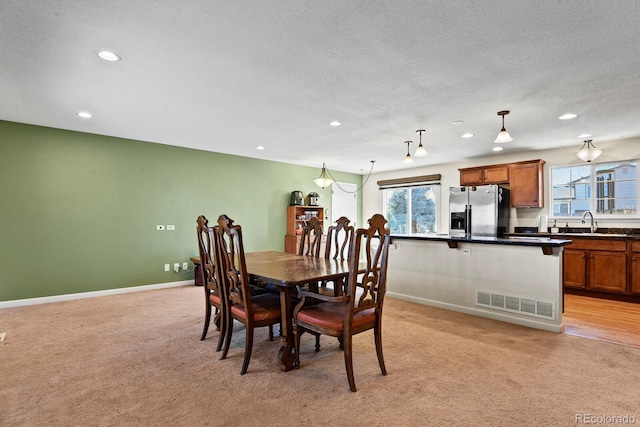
point(80, 295)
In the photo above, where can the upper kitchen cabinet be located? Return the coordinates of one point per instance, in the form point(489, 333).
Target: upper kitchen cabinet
point(526, 184)
point(525, 180)
point(493, 174)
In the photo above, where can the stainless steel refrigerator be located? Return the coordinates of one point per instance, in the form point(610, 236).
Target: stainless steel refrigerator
point(482, 210)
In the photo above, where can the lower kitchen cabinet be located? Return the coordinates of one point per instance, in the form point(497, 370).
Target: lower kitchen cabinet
point(596, 264)
point(635, 268)
point(608, 271)
point(575, 268)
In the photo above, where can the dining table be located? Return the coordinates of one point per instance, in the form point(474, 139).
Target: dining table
point(286, 272)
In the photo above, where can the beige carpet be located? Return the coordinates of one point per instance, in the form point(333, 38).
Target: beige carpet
point(136, 359)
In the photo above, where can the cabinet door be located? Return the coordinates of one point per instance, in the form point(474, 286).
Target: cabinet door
point(526, 185)
point(496, 174)
point(635, 273)
point(471, 177)
point(608, 271)
point(575, 268)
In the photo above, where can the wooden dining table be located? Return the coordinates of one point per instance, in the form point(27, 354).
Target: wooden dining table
point(287, 271)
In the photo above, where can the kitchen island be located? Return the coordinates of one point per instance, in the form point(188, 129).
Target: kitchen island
point(516, 280)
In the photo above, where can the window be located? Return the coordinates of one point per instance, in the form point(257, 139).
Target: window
point(606, 189)
point(412, 210)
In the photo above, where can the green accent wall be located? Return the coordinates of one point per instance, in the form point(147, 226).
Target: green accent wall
point(79, 211)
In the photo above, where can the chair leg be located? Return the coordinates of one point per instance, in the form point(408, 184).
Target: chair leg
point(297, 332)
point(228, 323)
point(270, 332)
point(317, 342)
point(207, 320)
point(248, 346)
point(222, 326)
point(348, 361)
point(377, 333)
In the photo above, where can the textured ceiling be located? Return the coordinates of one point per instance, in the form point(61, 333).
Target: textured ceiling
point(227, 76)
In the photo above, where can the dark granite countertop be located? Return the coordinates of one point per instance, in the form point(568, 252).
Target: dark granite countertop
point(545, 243)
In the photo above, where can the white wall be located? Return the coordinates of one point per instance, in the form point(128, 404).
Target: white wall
point(623, 149)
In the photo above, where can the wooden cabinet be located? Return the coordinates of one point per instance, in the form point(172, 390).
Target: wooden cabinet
point(575, 268)
point(297, 216)
point(525, 180)
point(596, 264)
point(493, 174)
point(635, 268)
point(526, 184)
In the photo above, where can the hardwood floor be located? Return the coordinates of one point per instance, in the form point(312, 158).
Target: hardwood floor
point(600, 319)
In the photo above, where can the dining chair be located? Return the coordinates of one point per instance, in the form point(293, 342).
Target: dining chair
point(360, 308)
point(212, 289)
point(253, 311)
point(311, 239)
point(339, 237)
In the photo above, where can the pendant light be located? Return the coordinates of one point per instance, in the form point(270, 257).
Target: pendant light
point(324, 180)
point(420, 152)
point(503, 136)
point(588, 152)
point(408, 159)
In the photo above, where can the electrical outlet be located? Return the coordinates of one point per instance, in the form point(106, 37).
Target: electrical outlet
point(466, 251)
point(176, 267)
point(167, 267)
point(185, 265)
point(171, 227)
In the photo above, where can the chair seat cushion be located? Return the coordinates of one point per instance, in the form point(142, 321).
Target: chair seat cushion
point(331, 315)
point(214, 299)
point(265, 306)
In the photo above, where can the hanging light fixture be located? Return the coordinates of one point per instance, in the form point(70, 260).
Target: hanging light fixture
point(503, 136)
point(420, 152)
point(408, 159)
point(588, 152)
point(325, 179)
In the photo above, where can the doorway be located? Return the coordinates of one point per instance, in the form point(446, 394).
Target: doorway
point(344, 202)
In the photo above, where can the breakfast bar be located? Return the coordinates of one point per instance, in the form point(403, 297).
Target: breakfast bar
point(515, 279)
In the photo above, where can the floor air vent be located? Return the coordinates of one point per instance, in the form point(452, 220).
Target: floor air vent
point(527, 306)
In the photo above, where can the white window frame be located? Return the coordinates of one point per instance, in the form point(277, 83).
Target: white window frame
point(592, 193)
point(437, 200)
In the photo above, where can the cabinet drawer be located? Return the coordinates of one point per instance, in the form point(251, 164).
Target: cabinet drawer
point(598, 245)
point(635, 246)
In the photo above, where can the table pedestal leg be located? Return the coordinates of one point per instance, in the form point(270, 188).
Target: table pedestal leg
point(285, 355)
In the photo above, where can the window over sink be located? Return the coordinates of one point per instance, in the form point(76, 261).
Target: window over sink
point(608, 190)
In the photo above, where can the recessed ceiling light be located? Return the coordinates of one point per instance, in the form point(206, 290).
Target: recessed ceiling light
point(497, 149)
point(108, 56)
point(457, 122)
point(584, 135)
point(568, 116)
point(85, 115)
point(259, 147)
point(335, 123)
point(467, 135)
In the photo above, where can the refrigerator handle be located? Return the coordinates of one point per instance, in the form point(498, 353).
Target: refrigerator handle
point(467, 210)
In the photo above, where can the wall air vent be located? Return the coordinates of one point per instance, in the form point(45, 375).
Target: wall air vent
point(515, 304)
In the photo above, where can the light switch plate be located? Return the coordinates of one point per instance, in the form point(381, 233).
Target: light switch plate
point(171, 227)
point(160, 227)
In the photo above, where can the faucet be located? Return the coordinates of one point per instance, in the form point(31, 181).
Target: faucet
point(594, 224)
